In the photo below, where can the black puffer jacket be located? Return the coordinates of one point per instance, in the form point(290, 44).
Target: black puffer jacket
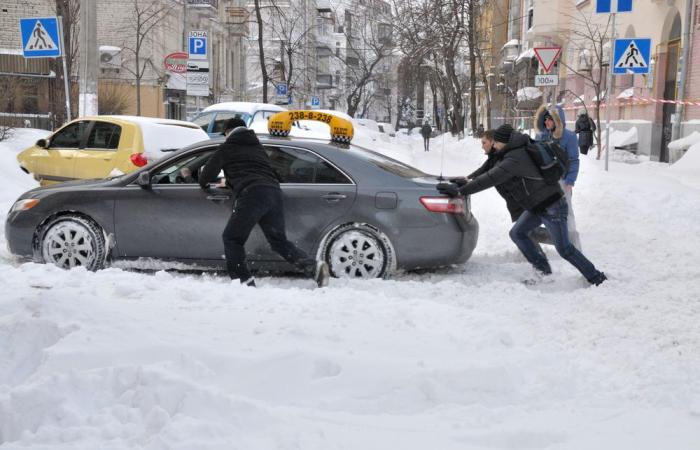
point(514, 209)
point(244, 161)
point(518, 179)
point(585, 128)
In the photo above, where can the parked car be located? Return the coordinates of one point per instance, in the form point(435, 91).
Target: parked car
point(102, 146)
point(212, 118)
point(367, 215)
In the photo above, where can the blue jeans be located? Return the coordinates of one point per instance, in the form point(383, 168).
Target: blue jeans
point(554, 219)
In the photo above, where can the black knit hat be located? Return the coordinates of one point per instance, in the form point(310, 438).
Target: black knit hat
point(502, 133)
point(232, 123)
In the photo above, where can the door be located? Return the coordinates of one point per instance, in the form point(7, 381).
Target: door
point(57, 163)
point(175, 218)
point(670, 91)
point(97, 159)
point(316, 193)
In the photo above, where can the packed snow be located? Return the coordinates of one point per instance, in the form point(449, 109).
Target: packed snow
point(463, 358)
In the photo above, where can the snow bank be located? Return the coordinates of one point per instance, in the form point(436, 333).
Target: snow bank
point(11, 175)
point(464, 358)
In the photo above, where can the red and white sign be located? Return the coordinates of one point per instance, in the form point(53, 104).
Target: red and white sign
point(176, 62)
point(546, 56)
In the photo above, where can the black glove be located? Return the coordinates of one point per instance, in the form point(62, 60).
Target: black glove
point(459, 181)
point(450, 189)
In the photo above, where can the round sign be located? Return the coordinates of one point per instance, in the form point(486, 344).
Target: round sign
point(280, 124)
point(176, 62)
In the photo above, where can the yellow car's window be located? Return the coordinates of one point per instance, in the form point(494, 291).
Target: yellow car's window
point(69, 137)
point(104, 136)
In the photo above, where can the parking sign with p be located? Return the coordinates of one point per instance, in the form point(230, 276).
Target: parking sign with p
point(198, 45)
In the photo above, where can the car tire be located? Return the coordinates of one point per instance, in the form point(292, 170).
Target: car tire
point(72, 241)
point(358, 251)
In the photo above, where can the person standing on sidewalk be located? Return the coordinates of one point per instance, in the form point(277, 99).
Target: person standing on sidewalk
point(550, 123)
point(425, 131)
point(257, 201)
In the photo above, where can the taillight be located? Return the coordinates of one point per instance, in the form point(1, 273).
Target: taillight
point(450, 205)
point(138, 159)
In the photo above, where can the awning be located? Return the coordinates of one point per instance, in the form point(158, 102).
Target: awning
point(527, 54)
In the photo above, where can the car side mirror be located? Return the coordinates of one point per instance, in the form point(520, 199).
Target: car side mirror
point(144, 179)
point(42, 143)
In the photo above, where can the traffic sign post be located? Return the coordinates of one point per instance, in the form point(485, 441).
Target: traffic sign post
point(42, 37)
point(631, 56)
point(282, 89)
point(315, 102)
point(547, 56)
point(546, 80)
point(198, 78)
point(613, 6)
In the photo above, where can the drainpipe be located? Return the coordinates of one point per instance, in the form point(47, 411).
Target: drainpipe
point(676, 130)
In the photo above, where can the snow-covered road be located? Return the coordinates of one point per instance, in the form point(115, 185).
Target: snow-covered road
point(462, 358)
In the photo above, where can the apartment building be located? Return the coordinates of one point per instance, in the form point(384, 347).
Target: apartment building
point(535, 23)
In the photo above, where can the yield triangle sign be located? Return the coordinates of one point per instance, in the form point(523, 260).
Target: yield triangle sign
point(40, 39)
point(546, 56)
point(631, 58)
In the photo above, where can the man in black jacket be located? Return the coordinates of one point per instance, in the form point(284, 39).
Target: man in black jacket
point(519, 181)
point(257, 200)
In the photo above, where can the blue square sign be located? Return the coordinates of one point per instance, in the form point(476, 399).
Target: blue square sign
point(631, 56)
point(198, 45)
point(282, 89)
point(40, 37)
point(613, 6)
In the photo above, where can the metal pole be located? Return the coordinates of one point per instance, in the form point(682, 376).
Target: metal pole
point(676, 131)
point(65, 68)
point(608, 93)
point(183, 96)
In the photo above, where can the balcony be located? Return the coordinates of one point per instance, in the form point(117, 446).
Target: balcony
point(214, 4)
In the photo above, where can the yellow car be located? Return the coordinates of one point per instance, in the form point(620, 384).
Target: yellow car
point(104, 146)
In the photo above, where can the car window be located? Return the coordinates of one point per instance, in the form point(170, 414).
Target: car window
point(223, 116)
point(295, 165)
point(263, 115)
point(388, 164)
point(70, 137)
point(203, 121)
point(104, 136)
point(172, 172)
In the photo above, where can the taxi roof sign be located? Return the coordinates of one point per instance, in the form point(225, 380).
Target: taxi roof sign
point(280, 124)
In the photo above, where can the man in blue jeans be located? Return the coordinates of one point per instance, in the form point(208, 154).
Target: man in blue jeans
point(519, 181)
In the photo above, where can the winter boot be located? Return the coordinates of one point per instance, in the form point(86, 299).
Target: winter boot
point(250, 282)
point(321, 274)
point(598, 279)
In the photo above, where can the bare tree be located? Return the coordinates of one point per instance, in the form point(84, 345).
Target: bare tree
point(589, 40)
point(145, 16)
point(69, 11)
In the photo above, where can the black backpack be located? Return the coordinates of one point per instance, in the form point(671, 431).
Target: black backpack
point(551, 160)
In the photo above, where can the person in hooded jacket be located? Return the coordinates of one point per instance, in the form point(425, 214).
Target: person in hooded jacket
point(425, 131)
point(585, 126)
point(518, 179)
point(257, 201)
point(550, 123)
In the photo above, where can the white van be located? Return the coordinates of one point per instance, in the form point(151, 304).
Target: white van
point(212, 118)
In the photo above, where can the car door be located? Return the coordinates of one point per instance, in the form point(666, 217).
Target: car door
point(173, 219)
point(97, 158)
point(316, 193)
point(57, 162)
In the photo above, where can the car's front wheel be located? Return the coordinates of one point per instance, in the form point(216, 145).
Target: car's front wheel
point(358, 251)
point(73, 241)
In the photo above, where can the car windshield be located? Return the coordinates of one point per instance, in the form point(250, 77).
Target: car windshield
point(388, 164)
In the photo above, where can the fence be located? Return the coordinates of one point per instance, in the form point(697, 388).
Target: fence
point(16, 120)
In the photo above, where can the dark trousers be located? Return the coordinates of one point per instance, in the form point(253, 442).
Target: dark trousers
point(426, 144)
point(583, 150)
point(554, 219)
point(260, 205)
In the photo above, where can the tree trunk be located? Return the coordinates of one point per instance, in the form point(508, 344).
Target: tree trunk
point(472, 63)
point(261, 50)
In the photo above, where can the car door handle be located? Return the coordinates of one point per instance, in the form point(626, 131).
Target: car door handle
point(334, 197)
point(218, 198)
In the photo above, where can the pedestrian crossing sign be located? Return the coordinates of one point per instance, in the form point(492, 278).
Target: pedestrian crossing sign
point(40, 37)
point(631, 56)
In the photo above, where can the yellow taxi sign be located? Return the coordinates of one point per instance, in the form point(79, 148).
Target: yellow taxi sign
point(280, 124)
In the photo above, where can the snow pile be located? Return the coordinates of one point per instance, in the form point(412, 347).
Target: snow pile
point(464, 358)
point(10, 173)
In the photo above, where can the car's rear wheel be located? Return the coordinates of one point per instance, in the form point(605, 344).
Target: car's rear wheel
point(358, 251)
point(73, 241)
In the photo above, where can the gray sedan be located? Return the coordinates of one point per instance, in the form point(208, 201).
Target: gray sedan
point(365, 214)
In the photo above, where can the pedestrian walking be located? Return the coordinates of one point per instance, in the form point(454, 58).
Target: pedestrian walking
point(257, 201)
point(520, 181)
point(426, 131)
point(551, 126)
point(585, 127)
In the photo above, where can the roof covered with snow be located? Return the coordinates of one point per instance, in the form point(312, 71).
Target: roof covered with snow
point(243, 107)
